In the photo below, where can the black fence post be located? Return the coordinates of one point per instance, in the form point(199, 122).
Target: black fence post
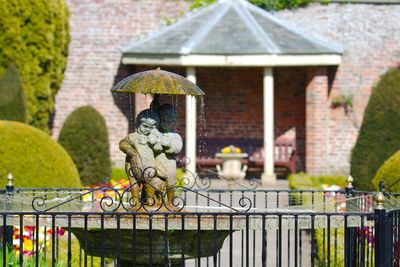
point(350, 233)
point(350, 237)
point(383, 237)
point(7, 230)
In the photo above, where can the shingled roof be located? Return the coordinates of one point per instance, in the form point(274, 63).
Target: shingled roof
point(228, 28)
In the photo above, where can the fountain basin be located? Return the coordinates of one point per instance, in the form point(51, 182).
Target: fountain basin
point(159, 247)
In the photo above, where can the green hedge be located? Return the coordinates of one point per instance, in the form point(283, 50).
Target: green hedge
point(379, 136)
point(84, 135)
point(301, 181)
point(389, 173)
point(12, 97)
point(34, 158)
point(34, 35)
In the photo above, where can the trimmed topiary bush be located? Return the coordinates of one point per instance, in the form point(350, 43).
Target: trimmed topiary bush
point(389, 173)
point(12, 97)
point(379, 136)
point(34, 35)
point(84, 135)
point(34, 158)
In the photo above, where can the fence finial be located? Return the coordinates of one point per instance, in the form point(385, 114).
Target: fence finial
point(350, 181)
point(10, 183)
point(380, 200)
point(349, 190)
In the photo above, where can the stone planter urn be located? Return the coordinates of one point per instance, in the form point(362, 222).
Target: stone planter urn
point(232, 167)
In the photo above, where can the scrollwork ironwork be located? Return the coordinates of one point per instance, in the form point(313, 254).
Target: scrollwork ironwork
point(37, 203)
point(245, 203)
point(147, 193)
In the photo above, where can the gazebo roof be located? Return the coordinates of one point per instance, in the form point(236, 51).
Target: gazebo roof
point(231, 32)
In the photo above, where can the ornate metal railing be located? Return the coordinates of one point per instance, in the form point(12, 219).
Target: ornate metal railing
point(203, 226)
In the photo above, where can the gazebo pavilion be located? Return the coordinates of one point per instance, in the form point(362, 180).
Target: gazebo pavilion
point(286, 68)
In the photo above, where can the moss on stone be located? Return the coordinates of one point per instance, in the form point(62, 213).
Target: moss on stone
point(34, 158)
point(84, 135)
point(34, 36)
point(379, 134)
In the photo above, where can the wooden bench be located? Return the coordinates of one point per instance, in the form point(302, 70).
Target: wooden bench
point(284, 155)
point(285, 152)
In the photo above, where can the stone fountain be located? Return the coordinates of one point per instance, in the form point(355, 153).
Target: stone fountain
point(153, 220)
point(151, 167)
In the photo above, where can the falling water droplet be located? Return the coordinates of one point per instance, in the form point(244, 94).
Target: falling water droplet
point(176, 113)
point(202, 128)
point(131, 115)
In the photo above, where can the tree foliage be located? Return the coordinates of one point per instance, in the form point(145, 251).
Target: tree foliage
point(265, 4)
point(34, 35)
point(34, 158)
point(379, 134)
point(84, 135)
point(12, 97)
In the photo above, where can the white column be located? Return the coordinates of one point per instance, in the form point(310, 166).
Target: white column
point(268, 176)
point(191, 124)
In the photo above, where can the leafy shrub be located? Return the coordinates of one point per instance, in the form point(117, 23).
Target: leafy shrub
point(34, 35)
point(389, 173)
point(379, 135)
point(34, 158)
point(118, 174)
point(12, 98)
point(84, 135)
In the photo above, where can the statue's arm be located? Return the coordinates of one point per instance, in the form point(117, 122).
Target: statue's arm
point(176, 144)
point(126, 146)
point(133, 162)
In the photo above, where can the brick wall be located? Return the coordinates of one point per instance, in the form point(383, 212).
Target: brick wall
point(99, 28)
point(317, 112)
point(369, 33)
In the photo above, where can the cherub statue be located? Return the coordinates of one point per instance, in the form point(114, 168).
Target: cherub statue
point(140, 162)
point(172, 144)
point(151, 153)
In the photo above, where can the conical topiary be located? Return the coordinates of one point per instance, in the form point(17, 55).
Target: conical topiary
point(84, 135)
point(12, 97)
point(379, 136)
